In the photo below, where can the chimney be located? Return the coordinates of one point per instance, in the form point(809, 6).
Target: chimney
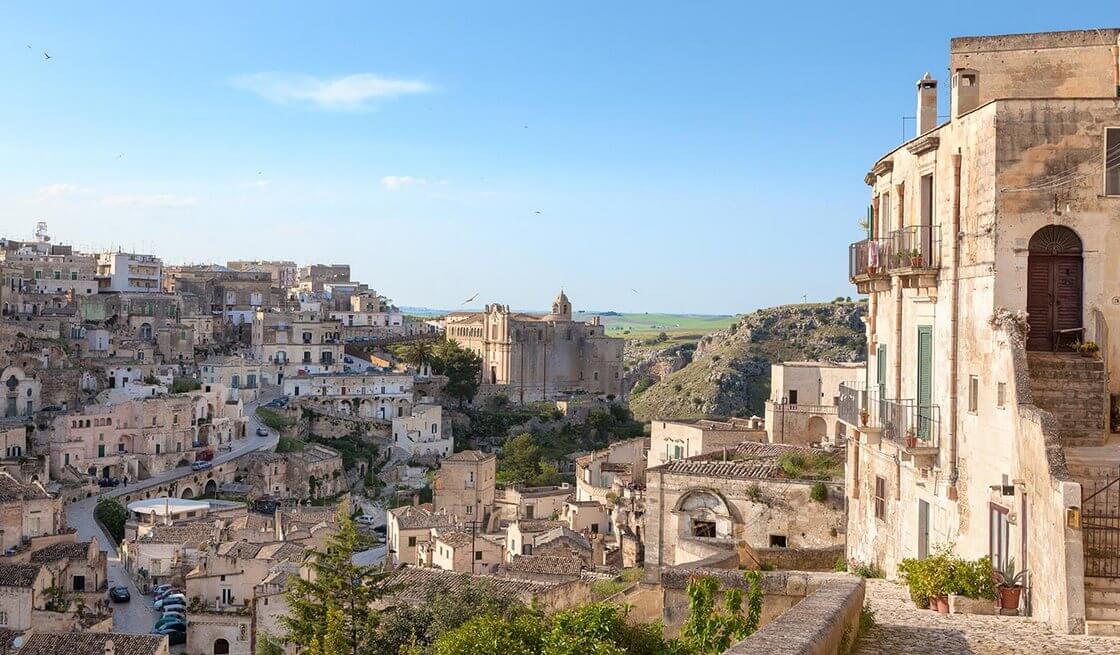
point(966, 91)
point(927, 104)
point(416, 500)
point(109, 648)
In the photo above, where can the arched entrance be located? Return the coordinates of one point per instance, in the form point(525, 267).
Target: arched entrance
point(221, 647)
point(187, 493)
point(211, 488)
point(817, 430)
point(1054, 288)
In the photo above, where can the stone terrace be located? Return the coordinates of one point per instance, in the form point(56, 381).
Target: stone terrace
point(903, 628)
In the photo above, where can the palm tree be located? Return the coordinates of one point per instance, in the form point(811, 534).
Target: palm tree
point(418, 353)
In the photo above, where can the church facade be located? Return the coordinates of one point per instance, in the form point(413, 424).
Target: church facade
point(529, 357)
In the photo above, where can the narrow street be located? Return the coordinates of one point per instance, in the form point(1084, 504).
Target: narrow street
point(138, 615)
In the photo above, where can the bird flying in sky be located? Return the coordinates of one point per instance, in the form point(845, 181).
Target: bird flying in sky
point(470, 299)
point(46, 55)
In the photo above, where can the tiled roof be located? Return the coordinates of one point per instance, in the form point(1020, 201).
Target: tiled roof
point(469, 456)
point(61, 550)
point(415, 583)
point(409, 517)
point(748, 460)
point(564, 533)
point(190, 535)
point(12, 489)
point(90, 643)
point(455, 538)
point(18, 575)
point(546, 564)
point(537, 525)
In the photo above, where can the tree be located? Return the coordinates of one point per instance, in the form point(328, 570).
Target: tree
point(418, 353)
point(493, 635)
point(337, 599)
point(710, 630)
point(113, 516)
point(268, 645)
point(521, 459)
point(462, 367)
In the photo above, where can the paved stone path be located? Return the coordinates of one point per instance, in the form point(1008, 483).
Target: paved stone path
point(905, 629)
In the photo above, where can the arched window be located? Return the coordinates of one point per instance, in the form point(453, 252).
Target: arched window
point(221, 647)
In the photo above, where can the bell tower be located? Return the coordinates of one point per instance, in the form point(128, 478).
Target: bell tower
point(561, 308)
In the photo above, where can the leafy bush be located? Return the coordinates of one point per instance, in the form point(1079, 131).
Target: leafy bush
point(601, 589)
point(942, 573)
point(870, 570)
point(819, 492)
point(289, 445)
point(643, 384)
point(185, 384)
point(274, 419)
point(113, 516)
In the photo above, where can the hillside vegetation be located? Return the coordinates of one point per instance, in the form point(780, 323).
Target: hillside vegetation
point(729, 374)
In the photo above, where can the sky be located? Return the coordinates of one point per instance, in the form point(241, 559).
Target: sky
point(643, 156)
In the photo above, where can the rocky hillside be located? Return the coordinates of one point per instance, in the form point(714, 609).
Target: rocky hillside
point(729, 374)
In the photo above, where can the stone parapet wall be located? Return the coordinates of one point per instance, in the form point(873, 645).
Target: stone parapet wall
point(825, 622)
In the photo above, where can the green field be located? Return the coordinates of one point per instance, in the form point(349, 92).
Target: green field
point(644, 326)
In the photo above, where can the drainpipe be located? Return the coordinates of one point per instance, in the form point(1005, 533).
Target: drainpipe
point(898, 339)
point(954, 472)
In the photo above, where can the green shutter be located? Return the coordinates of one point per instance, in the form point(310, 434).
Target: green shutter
point(870, 222)
point(925, 379)
point(881, 370)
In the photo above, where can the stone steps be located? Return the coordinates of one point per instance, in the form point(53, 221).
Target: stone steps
point(1075, 391)
point(1102, 628)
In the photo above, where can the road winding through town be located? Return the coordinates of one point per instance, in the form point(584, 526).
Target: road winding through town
point(138, 616)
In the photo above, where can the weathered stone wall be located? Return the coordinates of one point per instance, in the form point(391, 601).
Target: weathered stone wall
point(800, 559)
point(826, 622)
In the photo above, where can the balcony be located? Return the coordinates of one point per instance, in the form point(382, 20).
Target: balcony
point(912, 254)
point(913, 427)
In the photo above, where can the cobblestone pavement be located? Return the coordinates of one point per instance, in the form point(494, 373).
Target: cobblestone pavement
point(904, 629)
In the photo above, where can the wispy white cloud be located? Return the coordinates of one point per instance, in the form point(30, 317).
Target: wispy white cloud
point(348, 92)
point(398, 182)
point(152, 200)
point(57, 190)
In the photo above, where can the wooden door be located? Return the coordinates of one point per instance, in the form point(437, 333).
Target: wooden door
point(1054, 287)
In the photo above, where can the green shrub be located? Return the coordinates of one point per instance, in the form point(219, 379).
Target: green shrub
point(754, 492)
point(870, 570)
point(274, 419)
point(819, 492)
point(113, 516)
point(942, 574)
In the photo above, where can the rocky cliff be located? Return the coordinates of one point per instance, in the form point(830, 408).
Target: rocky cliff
point(729, 374)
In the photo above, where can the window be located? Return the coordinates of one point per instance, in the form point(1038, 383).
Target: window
point(702, 528)
point(411, 542)
point(777, 541)
point(79, 583)
point(880, 498)
point(1001, 394)
point(3, 618)
point(1112, 161)
point(527, 549)
point(477, 555)
point(973, 393)
point(793, 396)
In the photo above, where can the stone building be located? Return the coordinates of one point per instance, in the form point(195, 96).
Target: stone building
point(313, 276)
point(409, 528)
point(129, 273)
point(738, 502)
point(21, 393)
point(312, 473)
point(464, 486)
point(684, 438)
point(27, 510)
point(367, 395)
point(423, 432)
point(988, 255)
point(283, 273)
point(803, 399)
point(241, 377)
point(34, 270)
point(295, 343)
point(529, 357)
point(23, 595)
point(610, 470)
point(516, 501)
point(236, 296)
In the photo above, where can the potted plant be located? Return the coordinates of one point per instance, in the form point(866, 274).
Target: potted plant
point(1088, 349)
point(1009, 585)
point(863, 416)
point(911, 438)
point(916, 258)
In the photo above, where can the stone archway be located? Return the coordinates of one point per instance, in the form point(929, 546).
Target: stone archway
point(187, 493)
point(817, 430)
point(221, 647)
point(211, 488)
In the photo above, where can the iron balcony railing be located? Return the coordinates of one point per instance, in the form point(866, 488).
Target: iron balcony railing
point(905, 422)
point(917, 247)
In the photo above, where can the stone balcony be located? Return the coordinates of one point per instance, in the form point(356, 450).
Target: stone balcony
point(911, 254)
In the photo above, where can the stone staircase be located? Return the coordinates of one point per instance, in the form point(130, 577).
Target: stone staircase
point(1075, 391)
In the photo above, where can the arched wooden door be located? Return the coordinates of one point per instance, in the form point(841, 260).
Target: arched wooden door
point(1054, 288)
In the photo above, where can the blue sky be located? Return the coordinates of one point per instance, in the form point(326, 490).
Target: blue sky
point(683, 157)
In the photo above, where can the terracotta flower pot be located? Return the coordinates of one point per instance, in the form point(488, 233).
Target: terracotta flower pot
point(942, 604)
point(1009, 597)
point(911, 441)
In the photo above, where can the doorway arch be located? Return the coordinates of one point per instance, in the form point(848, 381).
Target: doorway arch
point(221, 647)
point(1055, 288)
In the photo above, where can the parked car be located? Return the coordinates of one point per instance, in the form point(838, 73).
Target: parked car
point(165, 621)
point(174, 614)
point(119, 594)
point(261, 432)
point(204, 455)
point(174, 637)
point(166, 591)
point(365, 519)
point(160, 588)
point(200, 465)
point(171, 599)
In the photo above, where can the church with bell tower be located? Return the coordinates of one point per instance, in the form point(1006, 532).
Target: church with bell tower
point(530, 357)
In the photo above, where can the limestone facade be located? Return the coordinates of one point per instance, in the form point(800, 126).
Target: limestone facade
point(423, 431)
point(803, 400)
point(464, 486)
point(529, 357)
point(295, 343)
point(969, 430)
point(681, 439)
